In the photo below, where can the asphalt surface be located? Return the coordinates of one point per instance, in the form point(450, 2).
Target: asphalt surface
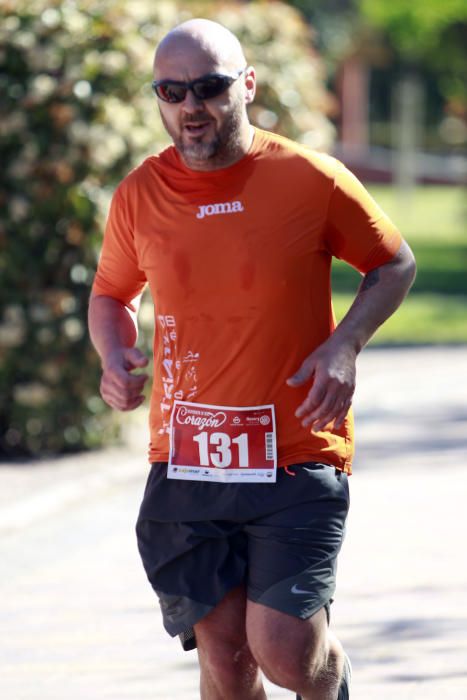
point(78, 619)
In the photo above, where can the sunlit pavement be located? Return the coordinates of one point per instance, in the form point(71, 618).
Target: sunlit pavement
point(79, 621)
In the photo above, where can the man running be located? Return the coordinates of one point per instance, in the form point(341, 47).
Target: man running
point(234, 229)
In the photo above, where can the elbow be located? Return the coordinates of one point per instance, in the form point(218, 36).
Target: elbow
point(404, 265)
point(411, 266)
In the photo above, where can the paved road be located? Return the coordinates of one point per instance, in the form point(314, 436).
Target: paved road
point(79, 621)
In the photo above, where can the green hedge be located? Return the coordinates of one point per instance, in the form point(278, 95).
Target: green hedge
point(77, 115)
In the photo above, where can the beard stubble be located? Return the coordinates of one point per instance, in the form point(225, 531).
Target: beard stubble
point(220, 150)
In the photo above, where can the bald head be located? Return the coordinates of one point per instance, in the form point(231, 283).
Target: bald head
point(201, 37)
point(203, 64)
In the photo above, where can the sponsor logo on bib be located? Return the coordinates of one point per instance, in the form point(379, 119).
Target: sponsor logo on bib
point(205, 419)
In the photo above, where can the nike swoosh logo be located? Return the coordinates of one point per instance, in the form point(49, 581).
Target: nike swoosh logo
point(295, 589)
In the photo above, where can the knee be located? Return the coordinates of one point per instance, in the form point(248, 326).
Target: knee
point(306, 669)
point(229, 672)
point(228, 663)
point(290, 668)
point(223, 656)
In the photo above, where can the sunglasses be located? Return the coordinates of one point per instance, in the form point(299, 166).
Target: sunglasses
point(204, 88)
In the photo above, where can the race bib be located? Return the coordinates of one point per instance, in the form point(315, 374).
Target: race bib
point(222, 443)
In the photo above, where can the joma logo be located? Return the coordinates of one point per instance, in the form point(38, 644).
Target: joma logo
point(222, 208)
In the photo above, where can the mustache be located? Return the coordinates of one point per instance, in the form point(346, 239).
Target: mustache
point(196, 119)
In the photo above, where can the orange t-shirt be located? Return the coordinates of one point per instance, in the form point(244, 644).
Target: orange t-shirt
point(238, 263)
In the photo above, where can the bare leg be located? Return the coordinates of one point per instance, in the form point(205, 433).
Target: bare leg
point(301, 655)
point(228, 669)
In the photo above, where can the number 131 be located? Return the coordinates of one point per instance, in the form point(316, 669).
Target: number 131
point(222, 456)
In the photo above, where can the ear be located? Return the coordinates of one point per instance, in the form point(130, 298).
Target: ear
point(250, 85)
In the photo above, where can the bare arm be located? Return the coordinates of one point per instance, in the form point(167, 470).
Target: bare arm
point(114, 331)
point(381, 292)
point(332, 366)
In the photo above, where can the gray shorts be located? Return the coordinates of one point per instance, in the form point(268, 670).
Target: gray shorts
point(199, 540)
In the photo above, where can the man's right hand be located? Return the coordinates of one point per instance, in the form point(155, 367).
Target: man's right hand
point(119, 388)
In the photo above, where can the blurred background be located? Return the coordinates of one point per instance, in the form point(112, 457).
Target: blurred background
point(379, 84)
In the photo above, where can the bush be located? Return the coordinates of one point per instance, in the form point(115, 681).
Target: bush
point(77, 115)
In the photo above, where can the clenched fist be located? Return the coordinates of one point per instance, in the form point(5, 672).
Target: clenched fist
point(120, 388)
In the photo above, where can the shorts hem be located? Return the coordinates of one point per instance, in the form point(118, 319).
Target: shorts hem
point(197, 611)
point(304, 614)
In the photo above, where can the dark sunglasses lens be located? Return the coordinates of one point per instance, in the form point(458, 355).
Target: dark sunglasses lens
point(210, 87)
point(171, 92)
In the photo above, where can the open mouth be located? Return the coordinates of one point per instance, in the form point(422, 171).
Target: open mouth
point(196, 128)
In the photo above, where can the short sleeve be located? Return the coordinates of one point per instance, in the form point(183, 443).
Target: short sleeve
point(118, 274)
point(357, 230)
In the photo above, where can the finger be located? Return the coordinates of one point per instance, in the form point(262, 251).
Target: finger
point(322, 415)
point(305, 372)
point(121, 403)
point(118, 392)
point(326, 391)
point(135, 358)
point(314, 399)
point(340, 418)
point(132, 404)
point(330, 414)
point(125, 380)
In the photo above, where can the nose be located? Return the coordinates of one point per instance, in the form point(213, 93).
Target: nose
point(191, 103)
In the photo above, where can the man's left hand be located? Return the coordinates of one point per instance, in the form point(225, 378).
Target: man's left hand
point(332, 370)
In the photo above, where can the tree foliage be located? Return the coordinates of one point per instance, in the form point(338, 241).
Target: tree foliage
point(77, 115)
point(426, 33)
point(416, 26)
